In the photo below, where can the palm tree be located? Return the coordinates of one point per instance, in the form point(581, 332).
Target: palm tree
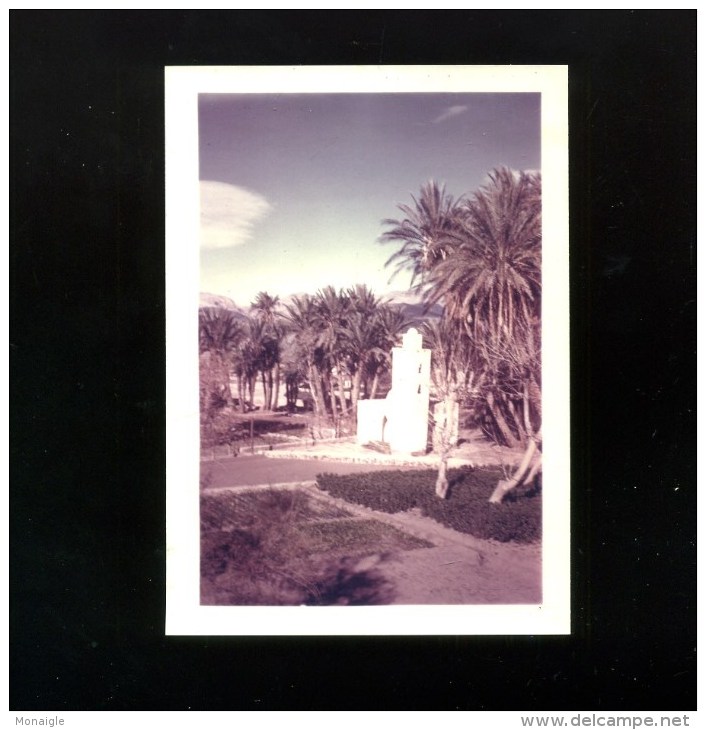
point(363, 299)
point(265, 308)
point(219, 329)
point(491, 277)
point(391, 322)
point(246, 362)
point(332, 311)
point(220, 333)
point(424, 232)
point(480, 257)
point(301, 323)
point(514, 392)
point(360, 336)
point(292, 368)
point(491, 281)
point(265, 353)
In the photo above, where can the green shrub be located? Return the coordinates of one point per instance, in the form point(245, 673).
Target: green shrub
point(466, 508)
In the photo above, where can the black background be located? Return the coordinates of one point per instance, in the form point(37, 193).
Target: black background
point(87, 369)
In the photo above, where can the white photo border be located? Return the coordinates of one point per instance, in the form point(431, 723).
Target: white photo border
point(184, 614)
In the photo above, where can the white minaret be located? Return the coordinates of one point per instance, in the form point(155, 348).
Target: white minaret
point(407, 407)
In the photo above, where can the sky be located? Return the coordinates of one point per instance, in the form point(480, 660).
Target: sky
point(294, 187)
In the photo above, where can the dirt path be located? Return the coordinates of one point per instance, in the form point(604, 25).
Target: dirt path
point(253, 470)
point(459, 569)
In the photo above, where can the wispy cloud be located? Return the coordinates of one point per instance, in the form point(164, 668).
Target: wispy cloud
point(228, 214)
point(450, 111)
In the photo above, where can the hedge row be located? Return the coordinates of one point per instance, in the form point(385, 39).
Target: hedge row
point(466, 508)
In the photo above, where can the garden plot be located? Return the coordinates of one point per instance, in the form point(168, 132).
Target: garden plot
point(287, 547)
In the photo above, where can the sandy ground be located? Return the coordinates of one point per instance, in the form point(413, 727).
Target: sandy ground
point(474, 450)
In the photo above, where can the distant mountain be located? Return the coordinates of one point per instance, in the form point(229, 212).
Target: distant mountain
point(401, 296)
point(418, 312)
point(216, 300)
point(412, 306)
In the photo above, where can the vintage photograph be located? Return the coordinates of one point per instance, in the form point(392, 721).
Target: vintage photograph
point(369, 333)
point(351, 365)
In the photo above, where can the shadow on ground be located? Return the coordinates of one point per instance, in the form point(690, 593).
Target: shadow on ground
point(340, 582)
point(343, 584)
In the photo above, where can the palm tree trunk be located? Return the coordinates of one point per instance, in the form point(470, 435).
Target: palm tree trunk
point(341, 390)
point(270, 386)
point(501, 320)
point(374, 386)
point(518, 420)
point(355, 394)
point(265, 391)
point(290, 394)
point(228, 396)
point(329, 398)
point(251, 389)
point(241, 392)
point(523, 473)
point(276, 378)
point(499, 418)
point(320, 387)
point(442, 482)
point(445, 429)
point(314, 388)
